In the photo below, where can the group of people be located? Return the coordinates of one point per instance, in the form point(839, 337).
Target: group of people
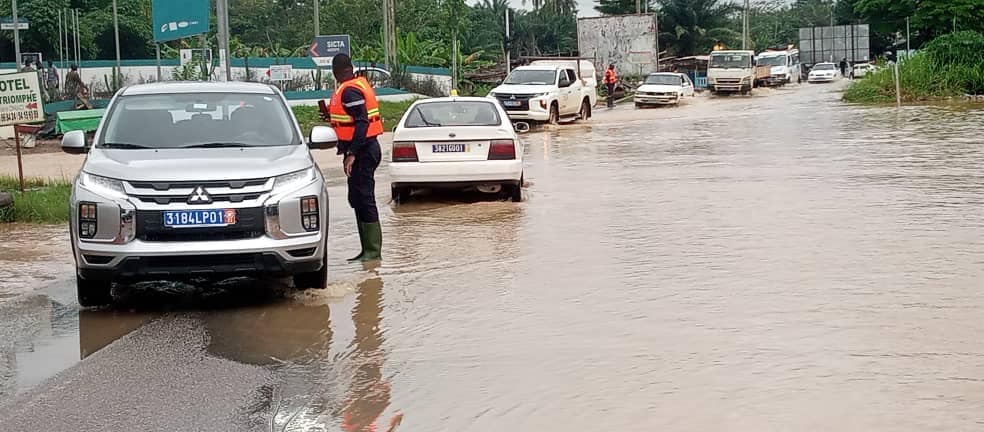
point(51, 77)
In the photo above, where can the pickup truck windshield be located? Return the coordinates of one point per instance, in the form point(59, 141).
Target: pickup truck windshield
point(531, 77)
point(772, 61)
point(727, 61)
point(664, 80)
point(198, 120)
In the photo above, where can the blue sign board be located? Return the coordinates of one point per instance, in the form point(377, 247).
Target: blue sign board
point(176, 19)
point(325, 47)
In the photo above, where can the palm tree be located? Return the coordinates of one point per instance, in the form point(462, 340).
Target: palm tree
point(689, 27)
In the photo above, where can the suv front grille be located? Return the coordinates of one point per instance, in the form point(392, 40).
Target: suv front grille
point(231, 191)
point(250, 224)
point(523, 101)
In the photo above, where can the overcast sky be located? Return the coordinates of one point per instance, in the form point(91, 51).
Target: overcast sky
point(585, 7)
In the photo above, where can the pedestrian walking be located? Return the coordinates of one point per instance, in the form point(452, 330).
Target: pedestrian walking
point(843, 67)
point(354, 113)
point(611, 78)
point(76, 88)
point(52, 80)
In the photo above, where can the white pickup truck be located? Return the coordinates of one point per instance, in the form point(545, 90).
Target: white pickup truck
point(549, 91)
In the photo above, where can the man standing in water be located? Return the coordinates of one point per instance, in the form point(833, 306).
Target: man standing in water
point(354, 113)
point(610, 79)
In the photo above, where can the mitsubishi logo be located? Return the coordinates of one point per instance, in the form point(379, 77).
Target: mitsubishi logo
point(513, 97)
point(199, 196)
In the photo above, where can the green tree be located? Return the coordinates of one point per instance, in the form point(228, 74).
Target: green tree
point(689, 27)
point(621, 7)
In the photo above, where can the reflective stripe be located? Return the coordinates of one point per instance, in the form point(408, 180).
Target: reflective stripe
point(355, 103)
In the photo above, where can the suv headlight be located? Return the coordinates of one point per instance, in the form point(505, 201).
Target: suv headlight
point(296, 178)
point(102, 185)
point(541, 94)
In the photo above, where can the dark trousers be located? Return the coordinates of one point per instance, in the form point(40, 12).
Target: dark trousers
point(611, 94)
point(362, 183)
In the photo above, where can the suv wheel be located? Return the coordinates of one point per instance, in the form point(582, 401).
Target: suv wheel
point(93, 292)
point(316, 279)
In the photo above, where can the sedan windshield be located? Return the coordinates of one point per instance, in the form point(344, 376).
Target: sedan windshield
point(198, 120)
point(725, 61)
point(772, 61)
point(453, 113)
point(824, 66)
point(664, 80)
point(531, 77)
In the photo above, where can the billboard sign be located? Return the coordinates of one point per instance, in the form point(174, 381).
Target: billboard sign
point(176, 19)
point(833, 44)
point(324, 48)
point(20, 99)
point(7, 23)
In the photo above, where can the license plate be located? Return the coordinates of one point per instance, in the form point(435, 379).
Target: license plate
point(449, 148)
point(199, 218)
point(511, 103)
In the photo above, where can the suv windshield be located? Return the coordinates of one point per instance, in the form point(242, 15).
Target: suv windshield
point(458, 113)
point(664, 80)
point(531, 77)
point(772, 61)
point(726, 61)
point(198, 120)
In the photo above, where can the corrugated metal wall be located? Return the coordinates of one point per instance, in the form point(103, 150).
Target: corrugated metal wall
point(608, 40)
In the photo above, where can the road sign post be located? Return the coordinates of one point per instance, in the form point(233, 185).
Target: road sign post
point(324, 48)
point(20, 103)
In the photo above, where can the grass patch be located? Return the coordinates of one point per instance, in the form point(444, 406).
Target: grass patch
point(44, 201)
point(950, 66)
point(309, 116)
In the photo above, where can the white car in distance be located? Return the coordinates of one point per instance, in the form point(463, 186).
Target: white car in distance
point(823, 72)
point(862, 70)
point(456, 143)
point(666, 88)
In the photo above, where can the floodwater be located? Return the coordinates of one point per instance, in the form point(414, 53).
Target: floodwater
point(779, 262)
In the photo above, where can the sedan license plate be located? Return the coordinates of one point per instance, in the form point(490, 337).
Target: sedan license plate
point(449, 148)
point(199, 218)
point(511, 103)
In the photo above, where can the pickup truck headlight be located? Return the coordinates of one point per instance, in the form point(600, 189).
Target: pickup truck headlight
point(102, 185)
point(296, 178)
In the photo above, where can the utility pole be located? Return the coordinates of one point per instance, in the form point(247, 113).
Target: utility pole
point(317, 18)
point(17, 53)
point(656, 20)
point(744, 28)
point(116, 35)
point(639, 7)
point(61, 54)
point(386, 35)
point(222, 20)
point(507, 44)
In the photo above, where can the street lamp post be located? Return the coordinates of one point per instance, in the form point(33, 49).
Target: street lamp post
point(17, 53)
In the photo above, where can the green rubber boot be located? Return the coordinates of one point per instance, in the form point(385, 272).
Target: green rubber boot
point(372, 248)
point(362, 240)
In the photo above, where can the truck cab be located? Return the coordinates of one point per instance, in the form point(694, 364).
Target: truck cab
point(548, 91)
point(731, 71)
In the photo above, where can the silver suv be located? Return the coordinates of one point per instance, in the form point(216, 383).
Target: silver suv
point(198, 180)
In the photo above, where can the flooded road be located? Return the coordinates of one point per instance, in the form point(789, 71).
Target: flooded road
point(780, 262)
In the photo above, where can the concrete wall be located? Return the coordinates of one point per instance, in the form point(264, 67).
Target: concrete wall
point(610, 39)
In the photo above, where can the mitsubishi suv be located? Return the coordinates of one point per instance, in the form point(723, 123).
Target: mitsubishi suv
point(185, 180)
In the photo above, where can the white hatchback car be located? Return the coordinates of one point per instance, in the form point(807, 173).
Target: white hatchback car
point(456, 143)
point(823, 72)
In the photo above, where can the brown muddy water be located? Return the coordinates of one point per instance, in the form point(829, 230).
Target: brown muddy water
point(780, 262)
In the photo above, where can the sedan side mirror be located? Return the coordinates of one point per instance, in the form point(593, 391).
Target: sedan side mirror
point(322, 137)
point(74, 142)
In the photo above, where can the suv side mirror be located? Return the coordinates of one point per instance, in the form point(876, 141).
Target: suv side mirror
point(323, 137)
point(74, 142)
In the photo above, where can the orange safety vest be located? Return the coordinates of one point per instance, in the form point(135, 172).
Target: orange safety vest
point(610, 76)
point(343, 123)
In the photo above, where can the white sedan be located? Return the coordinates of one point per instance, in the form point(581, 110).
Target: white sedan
point(664, 88)
point(823, 72)
point(456, 143)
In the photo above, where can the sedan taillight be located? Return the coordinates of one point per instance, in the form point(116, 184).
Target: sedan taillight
point(404, 151)
point(502, 150)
